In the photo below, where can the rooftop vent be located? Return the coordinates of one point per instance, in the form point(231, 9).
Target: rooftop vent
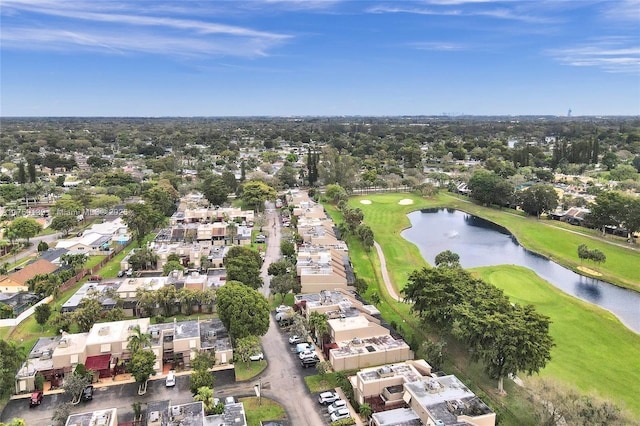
point(63, 343)
point(385, 372)
point(103, 331)
point(433, 386)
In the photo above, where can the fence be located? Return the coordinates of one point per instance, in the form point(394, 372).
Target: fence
point(12, 322)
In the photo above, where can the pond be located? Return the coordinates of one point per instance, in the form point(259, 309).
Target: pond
point(483, 243)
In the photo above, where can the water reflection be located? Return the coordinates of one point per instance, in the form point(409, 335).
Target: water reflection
point(483, 243)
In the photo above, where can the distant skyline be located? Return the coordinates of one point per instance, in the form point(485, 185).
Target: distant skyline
point(319, 58)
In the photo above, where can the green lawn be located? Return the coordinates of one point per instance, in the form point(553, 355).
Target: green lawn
point(593, 351)
point(321, 383)
point(93, 261)
point(248, 371)
point(266, 409)
point(387, 219)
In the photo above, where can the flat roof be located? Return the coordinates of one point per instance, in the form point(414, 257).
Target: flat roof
point(406, 371)
point(397, 417)
point(40, 357)
point(446, 398)
point(214, 335)
point(368, 345)
point(181, 330)
point(92, 418)
point(116, 331)
point(348, 323)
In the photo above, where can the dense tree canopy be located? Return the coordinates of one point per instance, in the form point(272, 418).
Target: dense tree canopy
point(538, 199)
point(141, 219)
point(242, 310)
point(243, 264)
point(489, 188)
point(255, 193)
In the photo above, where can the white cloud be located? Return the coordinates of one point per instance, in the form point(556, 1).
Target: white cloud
point(612, 54)
point(438, 45)
point(119, 27)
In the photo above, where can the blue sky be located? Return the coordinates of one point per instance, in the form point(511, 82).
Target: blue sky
point(308, 57)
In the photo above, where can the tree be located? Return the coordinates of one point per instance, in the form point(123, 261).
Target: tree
point(609, 160)
point(73, 386)
point(489, 188)
point(43, 312)
point(204, 394)
point(162, 198)
point(538, 199)
point(607, 210)
point(353, 217)
point(447, 258)
point(287, 248)
point(14, 422)
point(508, 342)
point(215, 190)
point(201, 376)
point(143, 259)
point(242, 310)
point(361, 285)
point(280, 267)
point(246, 347)
point(335, 193)
point(557, 404)
point(66, 207)
point(365, 410)
point(142, 367)
point(299, 326)
point(11, 357)
point(25, 227)
point(283, 284)
point(64, 223)
point(170, 266)
point(42, 246)
point(243, 264)
point(255, 193)
point(432, 352)
point(22, 173)
point(319, 325)
point(61, 413)
point(87, 314)
point(365, 234)
point(138, 340)
point(141, 219)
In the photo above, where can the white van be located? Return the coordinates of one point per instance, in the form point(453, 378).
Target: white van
point(171, 379)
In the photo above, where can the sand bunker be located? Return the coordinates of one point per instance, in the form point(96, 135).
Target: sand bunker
point(589, 271)
point(365, 201)
point(405, 202)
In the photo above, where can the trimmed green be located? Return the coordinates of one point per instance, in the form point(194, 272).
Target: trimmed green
point(268, 409)
point(387, 219)
point(593, 351)
point(246, 372)
point(321, 383)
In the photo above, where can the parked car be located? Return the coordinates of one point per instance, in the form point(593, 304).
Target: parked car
point(341, 403)
point(328, 398)
point(340, 414)
point(307, 354)
point(309, 362)
point(257, 357)
point(129, 272)
point(295, 339)
point(282, 308)
point(170, 381)
point(36, 398)
point(121, 274)
point(87, 393)
point(302, 347)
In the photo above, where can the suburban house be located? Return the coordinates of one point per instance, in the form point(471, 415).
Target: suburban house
point(408, 393)
point(16, 282)
point(108, 417)
point(105, 346)
point(163, 413)
point(91, 243)
point(190, 214)
point(356, 338)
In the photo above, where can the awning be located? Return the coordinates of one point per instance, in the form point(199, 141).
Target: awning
point(98, 362)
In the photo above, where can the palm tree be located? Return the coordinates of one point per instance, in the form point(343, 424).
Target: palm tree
point(138, 340)
point(319, 325)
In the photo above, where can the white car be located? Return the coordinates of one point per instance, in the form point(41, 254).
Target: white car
point(282, 308)
point(170, 381)
point(307, 354)
point(328, 398)
point(341, 403)
point(340, 414)
point(295, 339)
point(257, 357)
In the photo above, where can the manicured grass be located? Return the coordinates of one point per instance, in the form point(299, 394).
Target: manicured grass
point(93, 261)
point(387, 219)
point(593, 351)
point(268, 409)
point(246, 371)
point(276, 300)
point(320, 383)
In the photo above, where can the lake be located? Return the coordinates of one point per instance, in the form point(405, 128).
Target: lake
point(483, 243)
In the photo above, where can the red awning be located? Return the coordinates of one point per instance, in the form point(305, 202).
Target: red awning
point(98, 362)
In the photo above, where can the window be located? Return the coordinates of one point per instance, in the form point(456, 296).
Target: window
point(105, 348)
point(74, 359)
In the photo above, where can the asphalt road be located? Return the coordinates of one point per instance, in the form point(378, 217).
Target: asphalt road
point(283, 379)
